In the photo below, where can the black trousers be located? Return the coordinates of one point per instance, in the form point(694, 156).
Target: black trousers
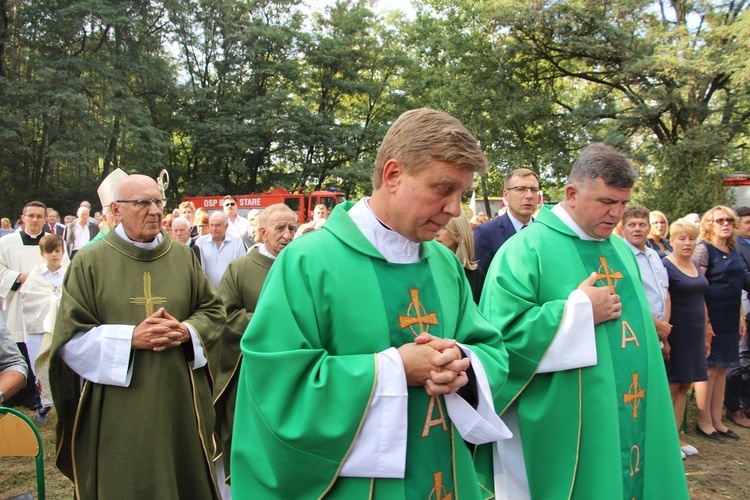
point(29, 395)
point(738, 380)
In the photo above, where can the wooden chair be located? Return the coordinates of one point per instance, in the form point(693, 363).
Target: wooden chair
point(19, 437)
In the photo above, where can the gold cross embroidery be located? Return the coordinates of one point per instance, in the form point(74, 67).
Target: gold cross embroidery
point(606, 272)
point(420, 317)
point(634, 395)
point(148, 300)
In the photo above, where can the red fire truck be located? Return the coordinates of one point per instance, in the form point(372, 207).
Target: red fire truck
point(739, 184)
point(302, 204)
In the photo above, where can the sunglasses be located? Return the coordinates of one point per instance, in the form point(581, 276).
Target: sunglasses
point(230, 204)
point(721, 220)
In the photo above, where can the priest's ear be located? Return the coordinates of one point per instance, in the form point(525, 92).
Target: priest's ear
point(571, 195)
point(392, 172)
point(114, 208)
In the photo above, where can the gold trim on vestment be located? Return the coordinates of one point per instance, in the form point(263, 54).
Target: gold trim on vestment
point(453, 461)
point(169, 247)
point(580, 421)
point(359, 429)
point(229, 379)
point(84, 388)
point(206, 455)
point(565, 308)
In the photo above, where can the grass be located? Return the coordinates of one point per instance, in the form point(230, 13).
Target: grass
point(719, 471)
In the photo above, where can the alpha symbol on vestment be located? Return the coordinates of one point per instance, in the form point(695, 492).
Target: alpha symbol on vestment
point(430, 422)
point(148, 300)
point(439, 491)
point(607, 274)
point(420, 316)
point(634, 395)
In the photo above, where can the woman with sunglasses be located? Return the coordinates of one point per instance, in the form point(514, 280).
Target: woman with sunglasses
point(723, 268)
point(658, 233)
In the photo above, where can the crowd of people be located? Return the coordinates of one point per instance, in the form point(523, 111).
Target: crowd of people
point(209, 355)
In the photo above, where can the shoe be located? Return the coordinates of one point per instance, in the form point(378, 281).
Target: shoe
point(738, 418)
point(714, 436)
point(746, 411)
point(689, 450)
point(729, 434)
point(42, 415)
point(683, 455)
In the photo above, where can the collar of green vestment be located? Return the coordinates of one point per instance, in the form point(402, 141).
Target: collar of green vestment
point(343, 227)
point(137, 253)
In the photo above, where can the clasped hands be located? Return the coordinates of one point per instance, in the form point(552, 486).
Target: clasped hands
point(159, 332)
point(435, 363)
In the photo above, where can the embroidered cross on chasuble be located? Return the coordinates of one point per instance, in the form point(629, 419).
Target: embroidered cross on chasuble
point(411, 300)
point(148, 300)
point(629, 360)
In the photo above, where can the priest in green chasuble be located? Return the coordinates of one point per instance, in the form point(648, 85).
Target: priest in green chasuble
point(367, 370)
point(587, 397)
point(134, 353)
point(239, 290)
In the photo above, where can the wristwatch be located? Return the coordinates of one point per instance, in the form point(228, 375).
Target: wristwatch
point(2, 397)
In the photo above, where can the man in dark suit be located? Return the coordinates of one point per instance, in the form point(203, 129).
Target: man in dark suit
point(521, 194)
point(53, 225)
point(80, 231)
point(737, 391)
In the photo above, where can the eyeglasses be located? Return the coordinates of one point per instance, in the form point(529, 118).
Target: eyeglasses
point(721, 220)
point(523, 189)
point(230, 204)
point(35, 216)
point(145, 203)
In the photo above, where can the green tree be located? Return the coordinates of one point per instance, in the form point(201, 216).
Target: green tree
point(466, 67)
point(353, 65)
point(82, 85)
point(663, 79)
point(241, 66)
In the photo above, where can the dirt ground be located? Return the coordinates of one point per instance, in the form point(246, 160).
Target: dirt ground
point(720, 470)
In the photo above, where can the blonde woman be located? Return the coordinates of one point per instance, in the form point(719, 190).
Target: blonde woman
point(687, 288)
point(723, 268)
point(5, 227)
point(457, 236)
point(657, 236)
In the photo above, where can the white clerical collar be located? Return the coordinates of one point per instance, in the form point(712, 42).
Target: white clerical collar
point(568, 221)
point(264, 251)
point(34, 236)
point(147, 245)
point(517, 224)
point(396, 249)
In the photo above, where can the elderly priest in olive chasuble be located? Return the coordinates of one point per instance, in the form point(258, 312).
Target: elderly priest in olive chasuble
point(587, 397)
point(363, 333)
point(134, 346)
point(239, 291)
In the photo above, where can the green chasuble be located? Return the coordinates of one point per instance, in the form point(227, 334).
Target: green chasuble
point(239, 290)
point(152, 439)
point(330, 303)
point(604, 431)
